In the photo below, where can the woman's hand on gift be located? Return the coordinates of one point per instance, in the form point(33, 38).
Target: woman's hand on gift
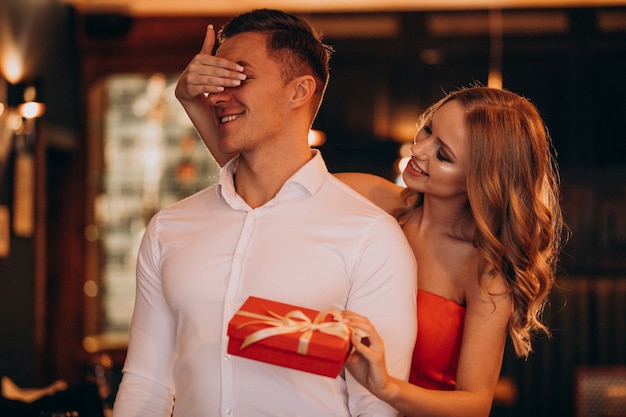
point(366, 363)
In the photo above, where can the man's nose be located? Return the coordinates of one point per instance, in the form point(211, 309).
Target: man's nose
point(220, 97)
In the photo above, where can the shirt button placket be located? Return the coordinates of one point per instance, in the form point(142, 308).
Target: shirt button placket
point(228, 376)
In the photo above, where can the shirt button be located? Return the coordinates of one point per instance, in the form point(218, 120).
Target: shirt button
point(228, 411)
point(226, 358)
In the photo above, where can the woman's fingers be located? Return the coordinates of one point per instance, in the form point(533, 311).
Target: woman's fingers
point(207, 73)
point(365, 338)
point(209, 41)
point(208, 64)
point(211, 71)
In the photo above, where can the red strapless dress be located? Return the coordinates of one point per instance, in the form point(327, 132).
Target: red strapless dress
point(438, 344)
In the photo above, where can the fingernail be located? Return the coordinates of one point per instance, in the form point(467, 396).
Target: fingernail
point(210, 26)
point(241, 76)
point(239, 68)
point(236, 82)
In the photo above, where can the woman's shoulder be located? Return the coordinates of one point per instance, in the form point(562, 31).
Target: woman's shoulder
point(380, 191)
point(491, 295)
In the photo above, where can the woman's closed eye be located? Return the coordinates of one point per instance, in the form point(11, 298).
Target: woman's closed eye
point(441, 155)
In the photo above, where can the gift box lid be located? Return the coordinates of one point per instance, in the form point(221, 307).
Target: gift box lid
point(288, 326)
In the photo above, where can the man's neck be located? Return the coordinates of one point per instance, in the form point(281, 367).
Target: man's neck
point(257, 182)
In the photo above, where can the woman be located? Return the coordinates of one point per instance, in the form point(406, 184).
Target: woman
point(481, 212)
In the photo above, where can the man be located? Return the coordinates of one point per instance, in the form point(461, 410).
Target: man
point(278, 226)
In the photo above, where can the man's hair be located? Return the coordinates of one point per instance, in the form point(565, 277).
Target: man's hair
point(291, 40)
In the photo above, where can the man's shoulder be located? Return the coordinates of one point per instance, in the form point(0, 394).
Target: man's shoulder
point(345, 207)
point(189, 203)
point(346, 195)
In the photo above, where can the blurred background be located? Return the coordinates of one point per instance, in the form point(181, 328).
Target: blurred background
point(93, 142)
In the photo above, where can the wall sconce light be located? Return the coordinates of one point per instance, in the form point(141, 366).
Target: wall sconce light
point(25, 99)
point(495, 48)
point(20, 109)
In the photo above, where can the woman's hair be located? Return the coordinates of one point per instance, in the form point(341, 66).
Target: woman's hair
point(292, 41)
point(513, 194)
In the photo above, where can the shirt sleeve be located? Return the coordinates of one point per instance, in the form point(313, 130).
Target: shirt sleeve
point(384, 289)
point(147, 387)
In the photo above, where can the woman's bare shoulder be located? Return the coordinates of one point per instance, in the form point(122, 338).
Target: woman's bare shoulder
point(378, 190)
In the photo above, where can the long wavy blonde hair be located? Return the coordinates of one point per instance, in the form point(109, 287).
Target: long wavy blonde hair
point(513, 194)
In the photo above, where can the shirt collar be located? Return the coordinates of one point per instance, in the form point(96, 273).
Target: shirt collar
point(309, 178)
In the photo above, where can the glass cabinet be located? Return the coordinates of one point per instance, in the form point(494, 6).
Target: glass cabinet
point(151, 157)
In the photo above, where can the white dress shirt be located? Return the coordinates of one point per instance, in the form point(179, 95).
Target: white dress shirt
point(317, 244)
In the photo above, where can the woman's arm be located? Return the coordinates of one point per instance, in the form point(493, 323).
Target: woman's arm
point(378, 190)
point(204, 75)
point(480, 361)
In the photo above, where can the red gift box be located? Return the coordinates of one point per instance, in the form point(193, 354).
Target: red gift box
point(290, 336)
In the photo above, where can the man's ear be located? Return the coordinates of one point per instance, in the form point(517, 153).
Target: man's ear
point(303, 90)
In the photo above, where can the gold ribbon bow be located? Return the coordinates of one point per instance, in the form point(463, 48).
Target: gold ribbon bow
point(293, 322)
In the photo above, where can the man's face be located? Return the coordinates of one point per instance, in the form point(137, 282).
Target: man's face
point(253, 113)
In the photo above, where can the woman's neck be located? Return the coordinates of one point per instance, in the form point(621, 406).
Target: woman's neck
point(451, 217)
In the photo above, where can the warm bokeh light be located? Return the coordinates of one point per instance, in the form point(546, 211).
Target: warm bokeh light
point(31, 110)
point(90, 288)
point(495, 79)
point(229, 8)
point(25, 39)
point(405, 156)
point(402, 163)
point(92, 234)
point(15, 122)
point(316, 138)
point(105, 342)
point(11, 64)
